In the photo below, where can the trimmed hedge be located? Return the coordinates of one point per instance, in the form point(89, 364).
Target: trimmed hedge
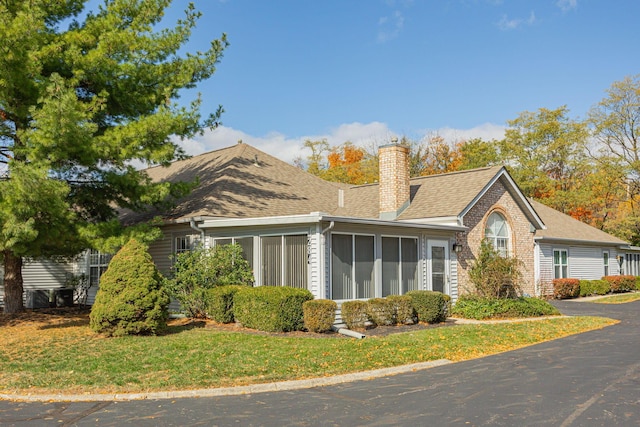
point(319, 314)
point(403, 309)
point(355, 314)
point(594, 287)
point(621, 283)
point(382, 311)
point(566, 288)
point(479, 308)
point(271, 308)
point(219, 303)
point(430, 306)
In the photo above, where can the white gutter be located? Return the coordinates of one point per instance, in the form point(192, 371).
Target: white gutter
point(621, 245)
point(316, 217)
point(192, 224)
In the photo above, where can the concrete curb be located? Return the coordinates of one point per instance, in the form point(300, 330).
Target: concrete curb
point(229, 391)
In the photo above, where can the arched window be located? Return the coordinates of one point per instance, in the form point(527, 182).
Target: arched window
point(497, 232)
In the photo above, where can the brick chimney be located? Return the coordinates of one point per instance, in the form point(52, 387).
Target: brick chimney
point(394, 179)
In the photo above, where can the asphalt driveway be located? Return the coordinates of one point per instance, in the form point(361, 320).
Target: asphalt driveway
point(590, 379)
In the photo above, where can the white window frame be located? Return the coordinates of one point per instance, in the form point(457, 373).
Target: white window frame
point(185, 243)
point(500, 243)
point(606, 260)
point(100, 261)
point(400, 264)
point(562, 268)
point(283, 259)
point(354, 285)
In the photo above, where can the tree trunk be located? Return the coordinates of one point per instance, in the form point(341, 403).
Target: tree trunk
point(12, 283)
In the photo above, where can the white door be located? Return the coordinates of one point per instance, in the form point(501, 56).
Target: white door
point(438, 263)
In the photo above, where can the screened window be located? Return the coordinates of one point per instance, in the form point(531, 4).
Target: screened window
point(399, 265)
point(284, 260)
point(352, 266)
point(98, 263)
point(497, 232)
point(560, 263)
point(246, 243)
point(605, 260)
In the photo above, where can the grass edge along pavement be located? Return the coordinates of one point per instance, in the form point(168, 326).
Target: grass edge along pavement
point(67, 358)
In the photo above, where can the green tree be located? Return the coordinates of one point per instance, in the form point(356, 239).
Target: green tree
point(131, 299)
point(546, 153)
point(478, 153)
point(201, 269)
point(79, 100)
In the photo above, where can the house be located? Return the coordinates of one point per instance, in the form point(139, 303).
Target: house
point(347, 242)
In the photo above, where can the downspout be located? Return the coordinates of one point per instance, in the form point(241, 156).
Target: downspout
point(192, 224)
point(323, 254)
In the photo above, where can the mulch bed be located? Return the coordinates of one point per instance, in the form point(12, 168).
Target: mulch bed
point(79, 314)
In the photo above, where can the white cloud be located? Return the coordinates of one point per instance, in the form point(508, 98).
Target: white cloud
point(567, 5)
point(366, 135)
point(390, 26)
point(507, 24)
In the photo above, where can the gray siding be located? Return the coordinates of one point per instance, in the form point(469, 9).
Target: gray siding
point(585, 262)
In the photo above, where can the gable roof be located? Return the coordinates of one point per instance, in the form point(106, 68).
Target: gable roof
point(561, 227)
point(241, 182)
point(448, 195)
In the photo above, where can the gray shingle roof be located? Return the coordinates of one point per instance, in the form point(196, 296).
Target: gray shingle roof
point(241, 182)
point(564, 227)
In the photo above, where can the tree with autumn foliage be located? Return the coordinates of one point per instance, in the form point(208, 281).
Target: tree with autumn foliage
point(79, 101)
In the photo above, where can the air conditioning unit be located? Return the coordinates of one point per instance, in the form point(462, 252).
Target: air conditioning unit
point(64, 298)
point(37, 299)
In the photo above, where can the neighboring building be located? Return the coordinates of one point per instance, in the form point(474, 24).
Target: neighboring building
point(347, 242)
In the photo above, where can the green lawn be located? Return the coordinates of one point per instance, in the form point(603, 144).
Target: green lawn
point(618, 298)
point(65, 356)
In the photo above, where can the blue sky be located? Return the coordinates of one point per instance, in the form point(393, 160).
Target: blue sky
point(367, 70)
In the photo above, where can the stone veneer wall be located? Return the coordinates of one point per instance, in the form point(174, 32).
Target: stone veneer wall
point(521, 243)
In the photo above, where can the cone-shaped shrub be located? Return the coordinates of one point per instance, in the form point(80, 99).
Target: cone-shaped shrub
point(131, 299)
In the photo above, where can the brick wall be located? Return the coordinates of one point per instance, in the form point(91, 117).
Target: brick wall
point(521, 244)
point(394, 177)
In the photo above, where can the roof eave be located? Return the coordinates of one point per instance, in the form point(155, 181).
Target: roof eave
point(584, 242)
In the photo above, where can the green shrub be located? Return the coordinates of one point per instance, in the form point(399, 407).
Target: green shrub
point(382, 311)
point(429, 306)
point(201, 269)
point(475, 307)
point(403, 309)
point(271, 308)
point(594, 287)
point(354, 314)
point(621, 283)
point(219, 303)
point(319, 314)
point(566, 288)
point(131, 299)
point(494, 275)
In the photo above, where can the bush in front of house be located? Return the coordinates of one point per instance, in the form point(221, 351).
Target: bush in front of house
point(382, 311)
point(494, 275)
point(201, 269)
point(271, 308)
point(481, 308)
point(403, 309)
point(218, 303)
point(594, 287)
point(566, 288)
point(131, 299)
point(355, 314)
point(319, 314)
point(624, 283)
point(429, 306)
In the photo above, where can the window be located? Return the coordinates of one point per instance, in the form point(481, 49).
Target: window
point(605, 259)
point(560, 263)
point(98, 263)
point(399, 265)
point(497, 232)
point(246, 243)
point(352, 266)
point(186, 243)
point(284, 260)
